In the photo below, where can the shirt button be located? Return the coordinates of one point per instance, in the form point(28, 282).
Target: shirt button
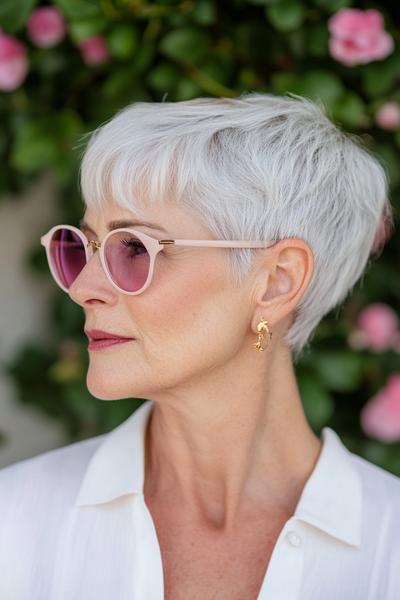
point(293, 538)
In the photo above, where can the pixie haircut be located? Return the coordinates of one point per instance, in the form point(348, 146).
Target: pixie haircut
point(254, 167)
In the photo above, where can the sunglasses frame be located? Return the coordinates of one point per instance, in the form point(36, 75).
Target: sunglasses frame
point(152, 245)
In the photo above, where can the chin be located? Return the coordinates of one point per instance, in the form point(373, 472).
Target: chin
point(104, 388)
point(109, 385)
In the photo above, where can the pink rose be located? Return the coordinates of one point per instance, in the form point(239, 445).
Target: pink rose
point(94, 50)
point(13, 62)
point(388, 116)
point(380, 417)
point(377, 328)
point(358, 36)
point(46, 26)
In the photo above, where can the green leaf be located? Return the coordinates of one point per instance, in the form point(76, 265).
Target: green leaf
point(317, 403)
point(377, 80)
point(14, 14)
point(66, 125)
point(204, 12)
point(176, 20)
point(284, 82)
point(375, 451)
point(144, 57)
point(381, 76)
point(333, 5)
point(339, 370)
point(48, 64)
point(187, 89)
point(3, 141)
point(296, 41)
point(219, 69)
point(34, 147)
point(87, 27)
point(123, 40)
point(263, 2)
point(389, 158)
point(286, 15)
point(164, 77)
point(80, 401)
point(187, 44)
point(41, 142)
point(350, 110)
point(317, 40)
point(79, 9)
point(65, 165)
point(247, 78)
point(322, 84)
point(120, 83)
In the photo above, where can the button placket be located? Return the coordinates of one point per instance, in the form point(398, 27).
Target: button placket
point(287, 557)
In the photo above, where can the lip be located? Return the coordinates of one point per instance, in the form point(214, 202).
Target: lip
point(96, 335)
point(106, 343)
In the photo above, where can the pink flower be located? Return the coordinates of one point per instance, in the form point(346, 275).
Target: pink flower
point(358, 36)
point(388, 116)
point(46, 26)
point(380, 417)
point(13, 62)
point(94, 50)
point(377, 328)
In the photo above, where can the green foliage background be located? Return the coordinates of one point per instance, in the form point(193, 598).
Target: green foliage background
point(177, 50)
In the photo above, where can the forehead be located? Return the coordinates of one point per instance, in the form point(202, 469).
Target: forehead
point(110, 210)
point(166, 217)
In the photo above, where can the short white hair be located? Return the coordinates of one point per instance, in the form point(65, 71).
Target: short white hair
point(254, 167)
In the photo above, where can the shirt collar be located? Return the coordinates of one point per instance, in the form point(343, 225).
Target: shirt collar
point(331, 499)
point(117, 466)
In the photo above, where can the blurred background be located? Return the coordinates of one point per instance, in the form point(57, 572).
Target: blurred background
point(67, 66)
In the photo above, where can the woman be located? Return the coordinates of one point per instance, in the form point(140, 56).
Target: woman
point(226, 229)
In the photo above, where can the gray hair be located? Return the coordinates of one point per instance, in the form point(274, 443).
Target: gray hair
point(255, 167)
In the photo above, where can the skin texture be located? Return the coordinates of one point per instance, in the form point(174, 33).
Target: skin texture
point(228, 439)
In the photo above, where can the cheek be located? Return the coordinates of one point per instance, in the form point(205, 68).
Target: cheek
point(186, 320)
point(186, 325)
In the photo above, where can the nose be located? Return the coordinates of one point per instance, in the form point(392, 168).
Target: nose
point(92, 284)
point(95, 244)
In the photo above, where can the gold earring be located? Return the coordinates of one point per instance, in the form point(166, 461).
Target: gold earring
point(262, 328)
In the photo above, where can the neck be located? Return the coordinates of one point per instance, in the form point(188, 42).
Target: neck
point(250, 448)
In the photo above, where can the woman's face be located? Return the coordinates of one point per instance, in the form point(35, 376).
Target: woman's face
point(189, 321)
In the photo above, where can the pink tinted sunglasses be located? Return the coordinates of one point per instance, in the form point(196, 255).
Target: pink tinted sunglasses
point(127, 255)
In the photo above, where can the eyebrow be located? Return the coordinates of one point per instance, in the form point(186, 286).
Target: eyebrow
point(122, 223)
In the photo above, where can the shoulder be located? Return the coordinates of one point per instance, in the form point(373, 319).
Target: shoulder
point(36, 507)
point(43, 478)
point(381, 496)
point(380, 519)
point(380, 484)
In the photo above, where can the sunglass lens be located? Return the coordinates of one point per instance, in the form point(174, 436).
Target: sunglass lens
point(128, 261)
point(67, 255)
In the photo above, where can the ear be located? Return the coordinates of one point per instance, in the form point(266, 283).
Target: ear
point(282, 278)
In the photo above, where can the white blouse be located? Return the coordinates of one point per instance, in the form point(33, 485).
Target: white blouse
point(74, 526)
